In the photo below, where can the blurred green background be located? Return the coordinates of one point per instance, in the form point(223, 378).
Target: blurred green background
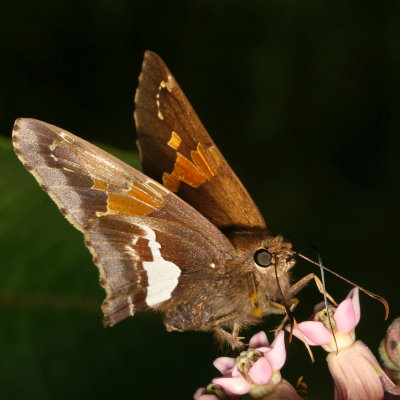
point(302, 98)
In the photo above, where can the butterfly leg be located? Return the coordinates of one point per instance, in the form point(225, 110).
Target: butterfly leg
point(236, 330)
point(320, 287)
point(231, 338)
point(303, 282)
point(181, 323)
point(293, 304)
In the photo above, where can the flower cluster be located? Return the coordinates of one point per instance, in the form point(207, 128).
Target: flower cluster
point(255, 371)
point(355, 370)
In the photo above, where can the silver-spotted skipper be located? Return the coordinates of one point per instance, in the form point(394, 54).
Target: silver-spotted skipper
point(184, 237)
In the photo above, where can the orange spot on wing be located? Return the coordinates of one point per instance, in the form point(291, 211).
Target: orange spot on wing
point(203, 162)
point(170, 182)
point(144, 195)
point(201, 168)
point(187, 172)
point(215, 156)
point(175, 141)
point(138, 200)
point(123, 205)
point(155, 187)
point(99, 185)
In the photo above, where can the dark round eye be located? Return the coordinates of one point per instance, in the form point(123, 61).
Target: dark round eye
point(262, 258)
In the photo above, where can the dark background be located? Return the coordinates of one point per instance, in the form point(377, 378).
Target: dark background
point(302, 98)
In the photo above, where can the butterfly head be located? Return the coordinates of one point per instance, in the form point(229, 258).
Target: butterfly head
point(273, 253)
point(272, 263)
point(267, 260)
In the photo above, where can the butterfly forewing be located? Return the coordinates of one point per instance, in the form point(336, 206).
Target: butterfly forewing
point(143, 238)
point(177, 151)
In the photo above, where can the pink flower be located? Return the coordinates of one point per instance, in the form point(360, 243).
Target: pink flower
point(354, 368)
point(257, 370)
point(200, 395)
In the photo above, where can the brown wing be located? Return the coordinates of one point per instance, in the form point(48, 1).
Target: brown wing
point(142, 236)
point(177, 151)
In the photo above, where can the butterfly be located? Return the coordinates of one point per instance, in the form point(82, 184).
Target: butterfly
point(184, 237)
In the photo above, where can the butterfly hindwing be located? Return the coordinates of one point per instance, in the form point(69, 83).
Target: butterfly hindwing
point(177, 151)
point(143, 238)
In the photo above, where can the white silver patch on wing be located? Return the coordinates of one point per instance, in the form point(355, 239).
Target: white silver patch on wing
point(162, 275)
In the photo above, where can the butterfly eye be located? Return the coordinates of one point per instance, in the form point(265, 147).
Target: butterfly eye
point(262, 258)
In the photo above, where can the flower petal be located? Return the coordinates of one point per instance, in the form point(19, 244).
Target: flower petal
point(345, 317)
point(198, 395)
point(258, 340)
point(313, 332)
point(207, 397)
point(355, 298)
point(224, 365)
point(237, 385)
point(347, 314)
point(277, 354)
point(263, 349)
point(235, 371)
point(261, 372)
point(355, 372)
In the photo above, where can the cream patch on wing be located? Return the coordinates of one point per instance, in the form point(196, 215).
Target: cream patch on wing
point(162, 275)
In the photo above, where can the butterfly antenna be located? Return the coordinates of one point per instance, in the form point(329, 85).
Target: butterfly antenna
point(368, 292)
